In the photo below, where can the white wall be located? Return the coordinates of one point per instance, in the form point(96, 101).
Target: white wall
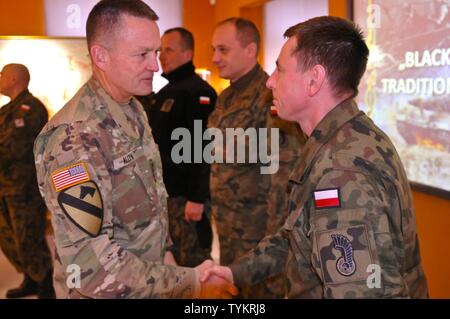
point(67, 18)
point(282, 14)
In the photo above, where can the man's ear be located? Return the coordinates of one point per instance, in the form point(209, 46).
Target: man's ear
point(100, 56)
point(317, 76)
point(251, 50)
point(188, 55)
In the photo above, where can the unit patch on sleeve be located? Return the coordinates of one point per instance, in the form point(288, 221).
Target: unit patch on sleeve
point(83, 205)
point(69, 176)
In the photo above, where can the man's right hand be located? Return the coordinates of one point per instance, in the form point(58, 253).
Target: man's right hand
point(214, 286)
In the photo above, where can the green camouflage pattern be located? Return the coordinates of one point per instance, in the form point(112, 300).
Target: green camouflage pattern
point(246, 204)
point(126, 259)
point(22, 210)
point(375, 220)
point(186, 249)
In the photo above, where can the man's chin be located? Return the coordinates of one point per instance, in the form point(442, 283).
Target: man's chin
point(144, 91)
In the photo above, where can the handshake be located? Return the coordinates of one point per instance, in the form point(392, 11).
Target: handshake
point(216, 282)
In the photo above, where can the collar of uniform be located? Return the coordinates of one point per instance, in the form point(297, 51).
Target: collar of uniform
point(113, 107)
point(19, 97)
point(245, 80)
point(181, 72)
point(327, 127)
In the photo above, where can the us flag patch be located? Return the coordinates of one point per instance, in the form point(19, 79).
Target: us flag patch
point(204, 100)
point(70, 176)
point(327, 198)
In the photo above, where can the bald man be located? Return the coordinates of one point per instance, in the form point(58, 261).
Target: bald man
point(22, 210)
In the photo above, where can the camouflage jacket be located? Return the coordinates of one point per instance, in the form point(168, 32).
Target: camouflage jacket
point(99, 171)
point(248, 106)
point(20, 122)
point(351, 229)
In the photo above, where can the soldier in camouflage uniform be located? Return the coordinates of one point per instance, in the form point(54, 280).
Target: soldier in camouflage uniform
point(247, 205)
point(99, 171)
point(22, 210)
point(351, 230)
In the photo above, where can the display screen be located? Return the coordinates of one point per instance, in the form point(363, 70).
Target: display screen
point(406, 87)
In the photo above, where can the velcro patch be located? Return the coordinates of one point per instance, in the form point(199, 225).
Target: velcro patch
point(83, 205)
point(327, 198)
point(70, 176)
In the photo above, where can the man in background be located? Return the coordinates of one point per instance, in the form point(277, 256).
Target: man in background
point(185, 103)
point(22, 210)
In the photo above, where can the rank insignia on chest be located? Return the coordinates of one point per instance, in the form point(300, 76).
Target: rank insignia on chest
point(83, 205)
point(167, 105)
point(69, 176)
point(327, 198)
point(204, 100)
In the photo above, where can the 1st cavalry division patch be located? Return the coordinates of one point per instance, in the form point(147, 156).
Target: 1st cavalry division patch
point(83, 205)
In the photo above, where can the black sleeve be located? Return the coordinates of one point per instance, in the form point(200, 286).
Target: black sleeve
point(200, 107)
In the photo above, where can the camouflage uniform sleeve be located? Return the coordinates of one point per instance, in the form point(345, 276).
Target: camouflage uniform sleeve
point(356, 239)
point(264, 261)
point(108, 269)
point(18, 136)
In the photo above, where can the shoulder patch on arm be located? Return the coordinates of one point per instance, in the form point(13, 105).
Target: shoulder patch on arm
point(344, 254)
point(70, 176)
point(83, 205)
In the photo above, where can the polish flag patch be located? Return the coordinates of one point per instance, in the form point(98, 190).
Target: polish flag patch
point(25, 107)
point(327, 198)
point(205, 100)
point(273, 110)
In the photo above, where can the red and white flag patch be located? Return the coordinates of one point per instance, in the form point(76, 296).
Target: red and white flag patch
point(273, 110)
point(205, 100)
point(25, 107)
point(69, 176)
point(327, 198)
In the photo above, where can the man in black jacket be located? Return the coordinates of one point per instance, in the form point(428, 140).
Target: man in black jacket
point(183, 106)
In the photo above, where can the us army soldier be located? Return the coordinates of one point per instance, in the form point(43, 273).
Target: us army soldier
point(99, 170)
point(350, 209)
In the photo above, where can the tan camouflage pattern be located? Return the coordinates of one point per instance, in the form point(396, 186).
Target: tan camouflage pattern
point(346, 151)
point(186, 248)
point(246, 204)
point(22, 210)
point(126, 259)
